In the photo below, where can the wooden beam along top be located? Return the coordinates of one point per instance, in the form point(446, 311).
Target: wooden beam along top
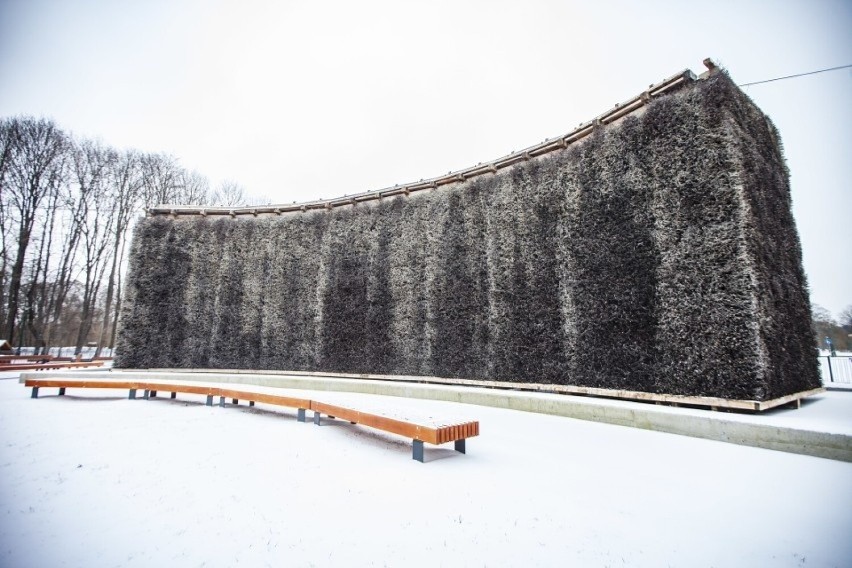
point(460, 176)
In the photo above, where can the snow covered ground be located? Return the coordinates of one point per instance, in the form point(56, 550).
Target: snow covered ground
point(107, 481)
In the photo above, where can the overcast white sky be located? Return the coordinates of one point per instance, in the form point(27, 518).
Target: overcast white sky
point(298, 100)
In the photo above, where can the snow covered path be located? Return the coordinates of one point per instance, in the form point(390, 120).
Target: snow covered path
point(112, 482)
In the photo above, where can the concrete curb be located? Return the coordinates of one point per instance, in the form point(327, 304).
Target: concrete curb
point(713, 426)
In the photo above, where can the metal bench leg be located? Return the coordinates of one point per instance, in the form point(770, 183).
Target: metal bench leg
point(417, 450)
point(301, 416)
point(147, 394)
point(251, 403)
point(132, 394)
point(61, 391)
point(174, 395)
point(316, 418)
point(153, 394)
point(222, 401)
point(235, 401)
point(35, 392)
point(209, 400)
point(460, 446)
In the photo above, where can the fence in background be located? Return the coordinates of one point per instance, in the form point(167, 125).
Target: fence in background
point(837, 369)
point(87, 352)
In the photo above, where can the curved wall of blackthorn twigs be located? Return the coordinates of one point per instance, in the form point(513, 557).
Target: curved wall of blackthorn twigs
point(658, 254)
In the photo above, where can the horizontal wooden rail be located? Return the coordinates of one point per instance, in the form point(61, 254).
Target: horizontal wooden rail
point(549, 145)
point(419, 433)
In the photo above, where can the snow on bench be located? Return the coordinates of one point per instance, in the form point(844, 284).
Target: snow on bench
point(420, 431)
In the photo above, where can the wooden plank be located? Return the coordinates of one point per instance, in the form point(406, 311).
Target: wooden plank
point(796, 397)
point(266, 398)
point(439, 434)
point(460, 431)
point(632, 105)
point(182, 388)
point(400, 427)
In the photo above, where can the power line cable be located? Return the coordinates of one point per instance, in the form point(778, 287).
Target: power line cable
point(794, 76)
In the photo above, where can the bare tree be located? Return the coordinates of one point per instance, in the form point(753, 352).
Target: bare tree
point(229, 194)
point(34, 167)
point(93, 166)
point(846, 319)
point(193, 189)
point(126, 196)
point(7, 134)
point(66, 211)
point(161, 176)
point(71, 229)
point(825, 327)
point(35, 308)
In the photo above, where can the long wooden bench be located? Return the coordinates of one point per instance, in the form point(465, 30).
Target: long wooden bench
point(434, 433)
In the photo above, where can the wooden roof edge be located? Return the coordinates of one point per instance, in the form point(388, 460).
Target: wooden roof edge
point(547, 146)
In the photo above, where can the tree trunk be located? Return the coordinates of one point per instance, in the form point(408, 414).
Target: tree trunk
point(110, 291)
point(15, 280)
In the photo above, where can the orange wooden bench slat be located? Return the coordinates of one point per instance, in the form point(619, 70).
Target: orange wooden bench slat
point(266, 398)
point(187, 389)
point(403, 428)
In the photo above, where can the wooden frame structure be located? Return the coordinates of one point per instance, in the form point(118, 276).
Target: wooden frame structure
point(549, 145)
point(419, 433)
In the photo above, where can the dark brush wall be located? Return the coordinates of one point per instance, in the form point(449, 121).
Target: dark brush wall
point(658, 255)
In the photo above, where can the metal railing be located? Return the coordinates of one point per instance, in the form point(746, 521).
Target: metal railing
point(87, 351)
point(836, 369)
